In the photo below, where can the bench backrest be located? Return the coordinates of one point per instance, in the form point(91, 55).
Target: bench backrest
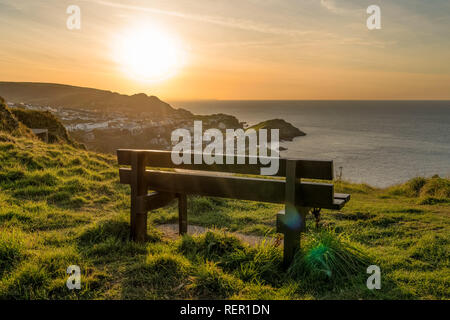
point(308, 169)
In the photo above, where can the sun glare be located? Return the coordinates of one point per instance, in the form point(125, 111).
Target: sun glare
point(149, 54)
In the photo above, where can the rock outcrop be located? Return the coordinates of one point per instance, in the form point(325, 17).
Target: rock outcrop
point(287, 131)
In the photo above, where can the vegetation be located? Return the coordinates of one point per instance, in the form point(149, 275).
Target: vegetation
point(9, 123)
point(44, 120)
point(62, 206)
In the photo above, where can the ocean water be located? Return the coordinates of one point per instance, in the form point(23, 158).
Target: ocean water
point(376, 142)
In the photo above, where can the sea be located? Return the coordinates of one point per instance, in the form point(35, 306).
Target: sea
point(380, 143)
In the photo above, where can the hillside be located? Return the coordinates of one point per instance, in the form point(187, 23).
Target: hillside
point(44, 119)
point(61, 206)
point(9, 123)
point(58, 95)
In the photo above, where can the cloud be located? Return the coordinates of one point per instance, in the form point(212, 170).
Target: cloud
point(331, 6)
point(306, 37)
point(247, 25)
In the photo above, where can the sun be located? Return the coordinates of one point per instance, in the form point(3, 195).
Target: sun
point(148, 54)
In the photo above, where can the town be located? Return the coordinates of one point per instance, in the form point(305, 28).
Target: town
point(106, 131)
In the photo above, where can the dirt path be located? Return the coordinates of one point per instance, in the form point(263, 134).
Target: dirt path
point(171, 232)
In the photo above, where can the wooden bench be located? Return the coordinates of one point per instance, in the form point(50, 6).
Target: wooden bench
point(298, 196)
point(41, 134)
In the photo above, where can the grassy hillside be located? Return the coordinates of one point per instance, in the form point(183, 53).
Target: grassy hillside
point(10, 124)
point(57, 133)
point(62, 206)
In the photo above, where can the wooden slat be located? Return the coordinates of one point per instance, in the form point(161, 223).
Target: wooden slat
point(154, 200)
point(309, 169)
point(343, 196)
point(310, 194)
point(337, 204)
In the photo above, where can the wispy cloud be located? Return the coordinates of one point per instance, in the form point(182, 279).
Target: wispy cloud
point(331, 5)
point(247, 25)
point(303, 36)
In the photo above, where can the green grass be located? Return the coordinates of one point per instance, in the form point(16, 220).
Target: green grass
point(44, 119)
point(61, 206)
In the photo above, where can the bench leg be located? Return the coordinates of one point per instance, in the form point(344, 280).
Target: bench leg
point(291, 225)
point(138, 217)
point(182, 213)
point(140, 227)
point(291, 247)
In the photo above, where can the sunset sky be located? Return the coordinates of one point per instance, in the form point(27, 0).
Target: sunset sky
point(234, 49)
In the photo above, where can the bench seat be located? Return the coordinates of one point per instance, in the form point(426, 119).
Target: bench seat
point(309, 194)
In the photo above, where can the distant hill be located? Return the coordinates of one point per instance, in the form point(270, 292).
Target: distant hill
point(58, 95)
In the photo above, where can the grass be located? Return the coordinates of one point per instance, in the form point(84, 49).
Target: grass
point(44, 119)
point(61, 206)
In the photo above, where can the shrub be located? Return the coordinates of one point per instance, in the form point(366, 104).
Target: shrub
point(431, 188)
point(328, 256)
point(436, 187)
point(415, 185)
point(261, 264)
